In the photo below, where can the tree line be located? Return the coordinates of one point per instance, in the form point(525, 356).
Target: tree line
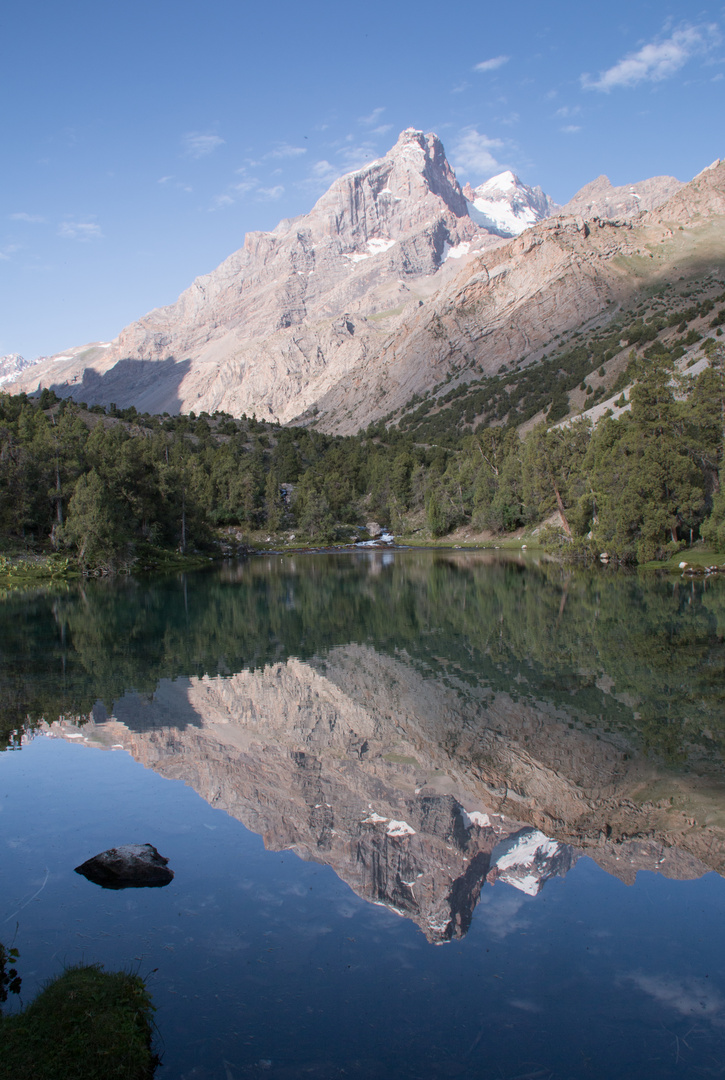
point(105, 485)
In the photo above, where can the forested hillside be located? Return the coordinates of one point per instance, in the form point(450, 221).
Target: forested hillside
point(579, 370)
point(109, 488)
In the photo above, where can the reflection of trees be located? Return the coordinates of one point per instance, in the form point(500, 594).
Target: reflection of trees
point(547, 633)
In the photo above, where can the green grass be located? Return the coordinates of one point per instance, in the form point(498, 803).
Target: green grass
point(386, 314)
point(694, 556)
point(27, 570)
point(87, 1024)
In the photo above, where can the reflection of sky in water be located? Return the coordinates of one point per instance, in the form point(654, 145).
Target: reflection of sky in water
point(267, 965)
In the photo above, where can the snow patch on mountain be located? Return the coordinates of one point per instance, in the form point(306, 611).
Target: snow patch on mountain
point(376, 246)
point(506, 206)
point(457, 252)
point(529, 859)
point(13, 364)
point(379, 244)
point(399, 828)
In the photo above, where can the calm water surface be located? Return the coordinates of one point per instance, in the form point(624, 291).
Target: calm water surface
point(430, 815)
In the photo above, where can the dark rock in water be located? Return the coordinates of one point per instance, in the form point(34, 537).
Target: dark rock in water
point(131, 866)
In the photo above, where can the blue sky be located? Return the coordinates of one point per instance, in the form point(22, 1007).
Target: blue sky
point(143, 140)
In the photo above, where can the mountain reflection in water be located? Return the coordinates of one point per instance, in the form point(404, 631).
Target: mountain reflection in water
point(422, 723)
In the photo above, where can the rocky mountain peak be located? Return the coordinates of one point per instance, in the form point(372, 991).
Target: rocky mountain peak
point(436, 171)
point(395, 278)
point(12, 365)
point(505, 206)
point(410, 187)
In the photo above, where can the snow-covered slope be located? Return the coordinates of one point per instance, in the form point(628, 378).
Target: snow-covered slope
point(506, 206)
point(528, 859)
point(12, 365)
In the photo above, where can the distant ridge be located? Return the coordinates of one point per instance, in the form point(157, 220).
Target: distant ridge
point(601, 199)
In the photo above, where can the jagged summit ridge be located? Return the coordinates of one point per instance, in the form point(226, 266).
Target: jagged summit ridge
point(280, 321)
point(505, 206)
point(394, 281)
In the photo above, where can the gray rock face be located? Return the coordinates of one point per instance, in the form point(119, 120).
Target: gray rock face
point(395, 280)
point(283, 319)
point(131, 866)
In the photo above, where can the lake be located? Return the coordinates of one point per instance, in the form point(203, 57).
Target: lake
point(430, 814)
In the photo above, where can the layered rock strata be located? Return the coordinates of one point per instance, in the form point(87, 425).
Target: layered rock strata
point(395, 280)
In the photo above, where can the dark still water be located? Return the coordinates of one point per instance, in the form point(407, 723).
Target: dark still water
point(429, 814)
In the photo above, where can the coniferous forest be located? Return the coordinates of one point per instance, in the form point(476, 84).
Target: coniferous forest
point(107, 488)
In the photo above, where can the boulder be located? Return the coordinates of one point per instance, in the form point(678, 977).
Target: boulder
point(131, 866)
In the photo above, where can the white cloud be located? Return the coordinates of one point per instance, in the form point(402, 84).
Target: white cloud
point(32, 219)
point(284, 150)
point(571, 129)
point(352, 156)
point(80, 230)
point(8, 251)
point(356, 157)
point(499, 912)
point(492, 64)
point(382, 129)
point(234, 193)
point(271, 192)
point(198, 144)
point(568, 110)
point(321, 175)
point(687, 996)
point(472, 153)
point(324, 171)
point(373, 118)
point(657, 60)
point(180, 184)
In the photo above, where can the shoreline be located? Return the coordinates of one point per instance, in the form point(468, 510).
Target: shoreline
point(26, 571)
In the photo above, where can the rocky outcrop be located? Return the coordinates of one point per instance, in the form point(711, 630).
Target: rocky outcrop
point(696, 203)
point(503, 308)
point(130, 866)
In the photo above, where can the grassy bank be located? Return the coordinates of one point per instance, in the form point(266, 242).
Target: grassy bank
point(23, 571)
point(87, 1024)
point(698, 557)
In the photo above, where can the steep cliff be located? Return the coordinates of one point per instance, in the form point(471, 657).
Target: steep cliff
point(396, 280)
